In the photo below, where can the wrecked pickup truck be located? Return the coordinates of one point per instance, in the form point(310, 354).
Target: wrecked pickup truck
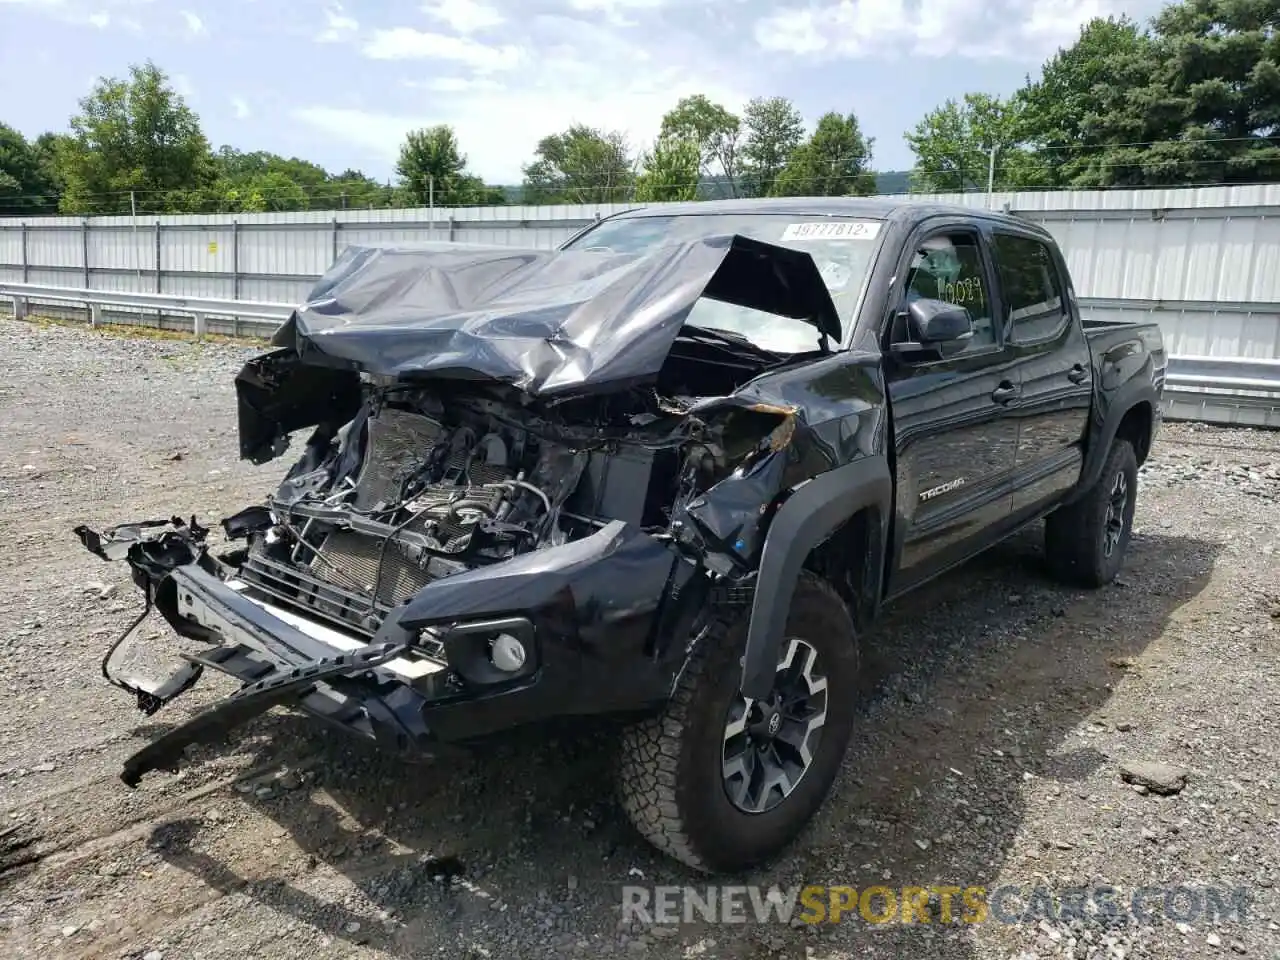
point(668, 473)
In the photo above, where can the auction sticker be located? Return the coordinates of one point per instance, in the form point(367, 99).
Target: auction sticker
point(833, 230)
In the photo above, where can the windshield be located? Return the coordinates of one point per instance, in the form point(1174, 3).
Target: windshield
point(842, 247)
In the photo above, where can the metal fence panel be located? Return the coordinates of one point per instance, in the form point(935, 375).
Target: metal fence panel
point(350, 235)
point(113, 248)
point(54, 276)
point(198, 250)
point(286, 251)
point(198, 286)
point(63, 247)
point(1194, 330)
point(122, 281)
point(275, 290)
point(12, 244)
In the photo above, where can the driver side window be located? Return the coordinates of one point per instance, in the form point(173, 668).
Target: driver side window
point(948, 267)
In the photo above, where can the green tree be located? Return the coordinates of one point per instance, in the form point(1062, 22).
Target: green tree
point(580, 165)
point(1195, 99)
point(355, 190)
point(26, 186)
point(715, 130)
point(834, 162)
point(236, 165)
point(669, 171)
point(1213, 104)
point(1082, 100)
point(134, 135)
point(50, 150)
point(430, 165)
point(432, 169)
point(773, 129)
point(953, 145)
point(260, 181)
point(273, 190)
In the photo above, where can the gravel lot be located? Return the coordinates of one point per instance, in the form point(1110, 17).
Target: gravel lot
point(999, 711)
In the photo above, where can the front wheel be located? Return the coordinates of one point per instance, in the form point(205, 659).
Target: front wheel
point(1085, 542)
point(722, 782)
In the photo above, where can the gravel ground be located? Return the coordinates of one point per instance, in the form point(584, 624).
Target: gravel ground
point(1000, 710)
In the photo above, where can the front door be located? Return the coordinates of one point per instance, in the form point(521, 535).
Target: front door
point(955, 434)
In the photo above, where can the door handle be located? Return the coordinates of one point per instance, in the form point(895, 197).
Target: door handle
point(1078, 374)
point(1005, 392)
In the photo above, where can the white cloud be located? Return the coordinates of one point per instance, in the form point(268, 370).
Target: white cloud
point(606, 83)
point(464, 16)
point(891, 29)
point(453, 84)
point(240, 108)
point(615, 11)
point(405, 43)
point(195, 26)
point(337, 25)
point(1053, 26)
point(616, 7)
point(82, 12)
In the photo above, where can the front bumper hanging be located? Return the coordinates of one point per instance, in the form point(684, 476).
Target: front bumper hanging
point(594, 618)
point(281, 686)
point(276, 662)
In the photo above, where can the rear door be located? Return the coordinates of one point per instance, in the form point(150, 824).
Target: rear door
point(955, 435)
point(1047, 340)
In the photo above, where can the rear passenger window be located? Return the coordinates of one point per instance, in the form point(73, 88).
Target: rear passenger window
point(1033, 294)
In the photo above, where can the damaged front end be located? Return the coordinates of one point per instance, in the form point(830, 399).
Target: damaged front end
point(463, 547)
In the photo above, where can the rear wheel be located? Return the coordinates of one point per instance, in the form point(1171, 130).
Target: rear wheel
point(721, 781)
point(1086, 541)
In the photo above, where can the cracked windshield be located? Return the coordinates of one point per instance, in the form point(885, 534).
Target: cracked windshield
point(842, 247)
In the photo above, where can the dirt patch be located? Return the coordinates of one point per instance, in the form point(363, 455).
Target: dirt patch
point(999, 710)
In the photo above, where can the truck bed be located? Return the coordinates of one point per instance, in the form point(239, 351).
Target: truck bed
point(1123, 349)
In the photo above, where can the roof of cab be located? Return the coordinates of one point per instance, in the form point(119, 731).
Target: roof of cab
point(876, 208)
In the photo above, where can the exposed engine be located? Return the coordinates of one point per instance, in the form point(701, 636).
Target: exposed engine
point(411, 491)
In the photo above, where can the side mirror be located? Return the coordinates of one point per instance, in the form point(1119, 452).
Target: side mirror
point(934, 328)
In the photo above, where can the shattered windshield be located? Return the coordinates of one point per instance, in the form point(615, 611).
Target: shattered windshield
point(842, 247)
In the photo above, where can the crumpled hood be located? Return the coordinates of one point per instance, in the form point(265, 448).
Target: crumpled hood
point(547, 322)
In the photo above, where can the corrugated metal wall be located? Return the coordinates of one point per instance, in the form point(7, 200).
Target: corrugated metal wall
point(1204, 262)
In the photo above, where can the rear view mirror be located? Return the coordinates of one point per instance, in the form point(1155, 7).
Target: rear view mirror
point(934, 327)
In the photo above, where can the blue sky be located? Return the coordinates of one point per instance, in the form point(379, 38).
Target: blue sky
point(340, 83)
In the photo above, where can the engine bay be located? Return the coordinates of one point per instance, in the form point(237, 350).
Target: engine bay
point(417, 487)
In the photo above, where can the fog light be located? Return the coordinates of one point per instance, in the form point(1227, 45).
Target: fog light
point(507, 653)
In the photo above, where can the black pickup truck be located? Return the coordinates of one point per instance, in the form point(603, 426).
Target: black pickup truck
point(667, 473)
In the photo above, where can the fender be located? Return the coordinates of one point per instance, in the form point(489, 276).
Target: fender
point(812, 513)
point(1115, 407)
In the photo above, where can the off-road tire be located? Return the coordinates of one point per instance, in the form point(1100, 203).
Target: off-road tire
point(669, 774)
point(1075, 536)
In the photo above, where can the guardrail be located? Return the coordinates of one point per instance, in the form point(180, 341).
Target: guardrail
point(1225, 373)
point(1240, 391)
point(198, 308)
point(1233, 391)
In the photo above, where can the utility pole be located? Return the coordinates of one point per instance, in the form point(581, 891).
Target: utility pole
point(431, 205)
point(991, 175)
point(137, 254)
